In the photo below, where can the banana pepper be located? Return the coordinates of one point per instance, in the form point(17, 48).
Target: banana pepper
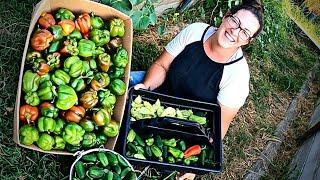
point(73, 134)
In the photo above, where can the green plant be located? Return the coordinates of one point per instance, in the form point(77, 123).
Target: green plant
point(142, 17)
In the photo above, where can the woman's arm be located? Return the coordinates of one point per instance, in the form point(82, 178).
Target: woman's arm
point(227, 115)
point(157, 72)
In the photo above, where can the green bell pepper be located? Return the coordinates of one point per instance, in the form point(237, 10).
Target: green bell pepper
point(71, 148)
point(120, 59)
point(53, 60)
point(176, 153)
point(104, 62)
point(48, 110)
point(107, 99)
point(73, 66)
point(96, 22)
point(28, 135)
point(76, 34)
point(89, 139)
point(32, 56)
point(59, 143)
point(44, 78)
point(46, 91)
point(59, 77)
point(92, 63)
point(150, 141)
point(118, 87)
point(45, 142)
point(70, 47)
point(101, 139)
point(87, 125)
point(85, 68)
point(78, 84)
point(116, 72)
point(88, 48)
point(117, 27)
point(101, 117)
point(30, 81)
point(67, 97)
point(191, 159)
point(171, 160)
point(112, 129)
point(54, 46)
point(32, 98)
point(73, 134)
point(46, 124)
point(56, 31)
point(100, 37)
point(60, 123)
point(63, 14)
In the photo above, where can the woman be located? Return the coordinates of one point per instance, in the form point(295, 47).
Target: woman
point(207, 64)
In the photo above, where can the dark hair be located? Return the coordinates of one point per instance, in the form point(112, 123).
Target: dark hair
point(255, 7)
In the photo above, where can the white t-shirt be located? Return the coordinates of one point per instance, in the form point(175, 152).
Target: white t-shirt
point(234, 85)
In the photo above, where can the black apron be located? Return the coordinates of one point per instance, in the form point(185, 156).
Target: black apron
point(193, 75)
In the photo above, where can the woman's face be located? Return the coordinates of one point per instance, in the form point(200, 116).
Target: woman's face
point(236, 30)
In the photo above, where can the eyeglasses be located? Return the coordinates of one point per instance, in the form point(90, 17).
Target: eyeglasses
point(235, 23)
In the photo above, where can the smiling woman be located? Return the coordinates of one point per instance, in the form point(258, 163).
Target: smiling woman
point(205, 63)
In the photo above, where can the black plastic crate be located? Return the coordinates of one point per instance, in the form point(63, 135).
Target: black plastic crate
point(212, 112)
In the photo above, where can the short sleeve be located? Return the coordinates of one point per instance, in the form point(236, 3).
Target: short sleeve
point(234, 86)
point(191, 33)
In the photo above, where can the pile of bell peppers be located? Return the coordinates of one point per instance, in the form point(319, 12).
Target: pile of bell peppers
point(153, 147)
point(73, 75)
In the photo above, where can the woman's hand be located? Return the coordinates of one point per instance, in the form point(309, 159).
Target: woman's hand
point(140, 86)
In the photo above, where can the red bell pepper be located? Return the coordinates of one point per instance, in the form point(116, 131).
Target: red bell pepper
point(28, 113)
point(46, 20)
point(41, 40)
point(191, 151)
point(83, 23)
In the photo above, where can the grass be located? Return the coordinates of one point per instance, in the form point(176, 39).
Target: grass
point(279, 60)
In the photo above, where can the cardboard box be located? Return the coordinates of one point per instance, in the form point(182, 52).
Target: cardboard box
point(76, 6)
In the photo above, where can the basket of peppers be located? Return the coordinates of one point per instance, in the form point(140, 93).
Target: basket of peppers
point(100, 163)
point(74, 79)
